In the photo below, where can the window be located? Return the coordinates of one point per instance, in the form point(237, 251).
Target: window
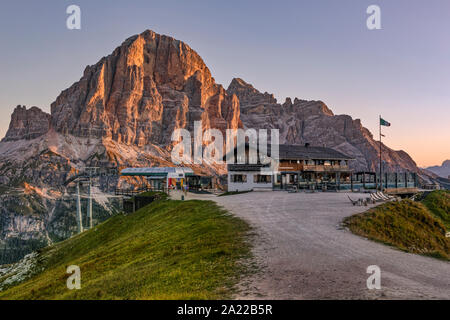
point(278, 178)
point(292, 178)
point(262, 178)
point(239, 178)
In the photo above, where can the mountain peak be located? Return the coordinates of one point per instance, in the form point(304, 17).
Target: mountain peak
point(442, 171)
point(27, 124)
point(247, 94)
point(238, 82)
point(149, 86)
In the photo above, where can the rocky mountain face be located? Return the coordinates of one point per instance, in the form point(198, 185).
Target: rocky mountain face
point(122, 112)
point(149, 86)
point(442, 171)
point(27, 124)
point(31, 218)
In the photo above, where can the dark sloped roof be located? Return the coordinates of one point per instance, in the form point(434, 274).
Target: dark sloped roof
point(297, 152)
point(306, 153)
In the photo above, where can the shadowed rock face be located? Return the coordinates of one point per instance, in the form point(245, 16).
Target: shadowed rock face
point(27, 124)
point(313, 122)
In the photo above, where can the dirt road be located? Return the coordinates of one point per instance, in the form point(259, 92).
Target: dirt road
point(305, 254)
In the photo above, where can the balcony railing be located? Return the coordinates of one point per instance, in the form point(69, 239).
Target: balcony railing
point(324, 168)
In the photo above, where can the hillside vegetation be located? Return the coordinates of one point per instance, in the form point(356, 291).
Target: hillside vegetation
point(438, 202)
point(167, 250)
point(410, 226)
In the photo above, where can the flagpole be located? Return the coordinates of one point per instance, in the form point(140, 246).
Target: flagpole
point(381, 183)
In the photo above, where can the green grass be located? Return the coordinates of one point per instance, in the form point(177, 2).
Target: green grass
point(167, 250)
point(231, 193)
point(438, 202)
point(158, 194)
point(407, 225)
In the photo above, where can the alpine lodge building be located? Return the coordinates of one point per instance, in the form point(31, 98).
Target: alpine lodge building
point(309, 168)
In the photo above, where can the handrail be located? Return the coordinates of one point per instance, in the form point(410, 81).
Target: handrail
point(130, 192)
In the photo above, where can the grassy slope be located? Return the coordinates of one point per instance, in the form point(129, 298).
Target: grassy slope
point(406, 225)
point(438, 202)
point(167, 250)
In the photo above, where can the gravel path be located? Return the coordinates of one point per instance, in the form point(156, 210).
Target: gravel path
point(305, 254)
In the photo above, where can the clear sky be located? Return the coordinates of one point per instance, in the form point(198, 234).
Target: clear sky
point(313, 49)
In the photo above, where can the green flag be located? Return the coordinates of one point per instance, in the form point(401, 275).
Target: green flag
point(384, 122)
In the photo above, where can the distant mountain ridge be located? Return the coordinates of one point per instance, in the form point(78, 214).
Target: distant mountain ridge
point(442, 170)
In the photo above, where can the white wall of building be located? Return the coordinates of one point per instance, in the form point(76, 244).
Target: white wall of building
point(249, 185)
